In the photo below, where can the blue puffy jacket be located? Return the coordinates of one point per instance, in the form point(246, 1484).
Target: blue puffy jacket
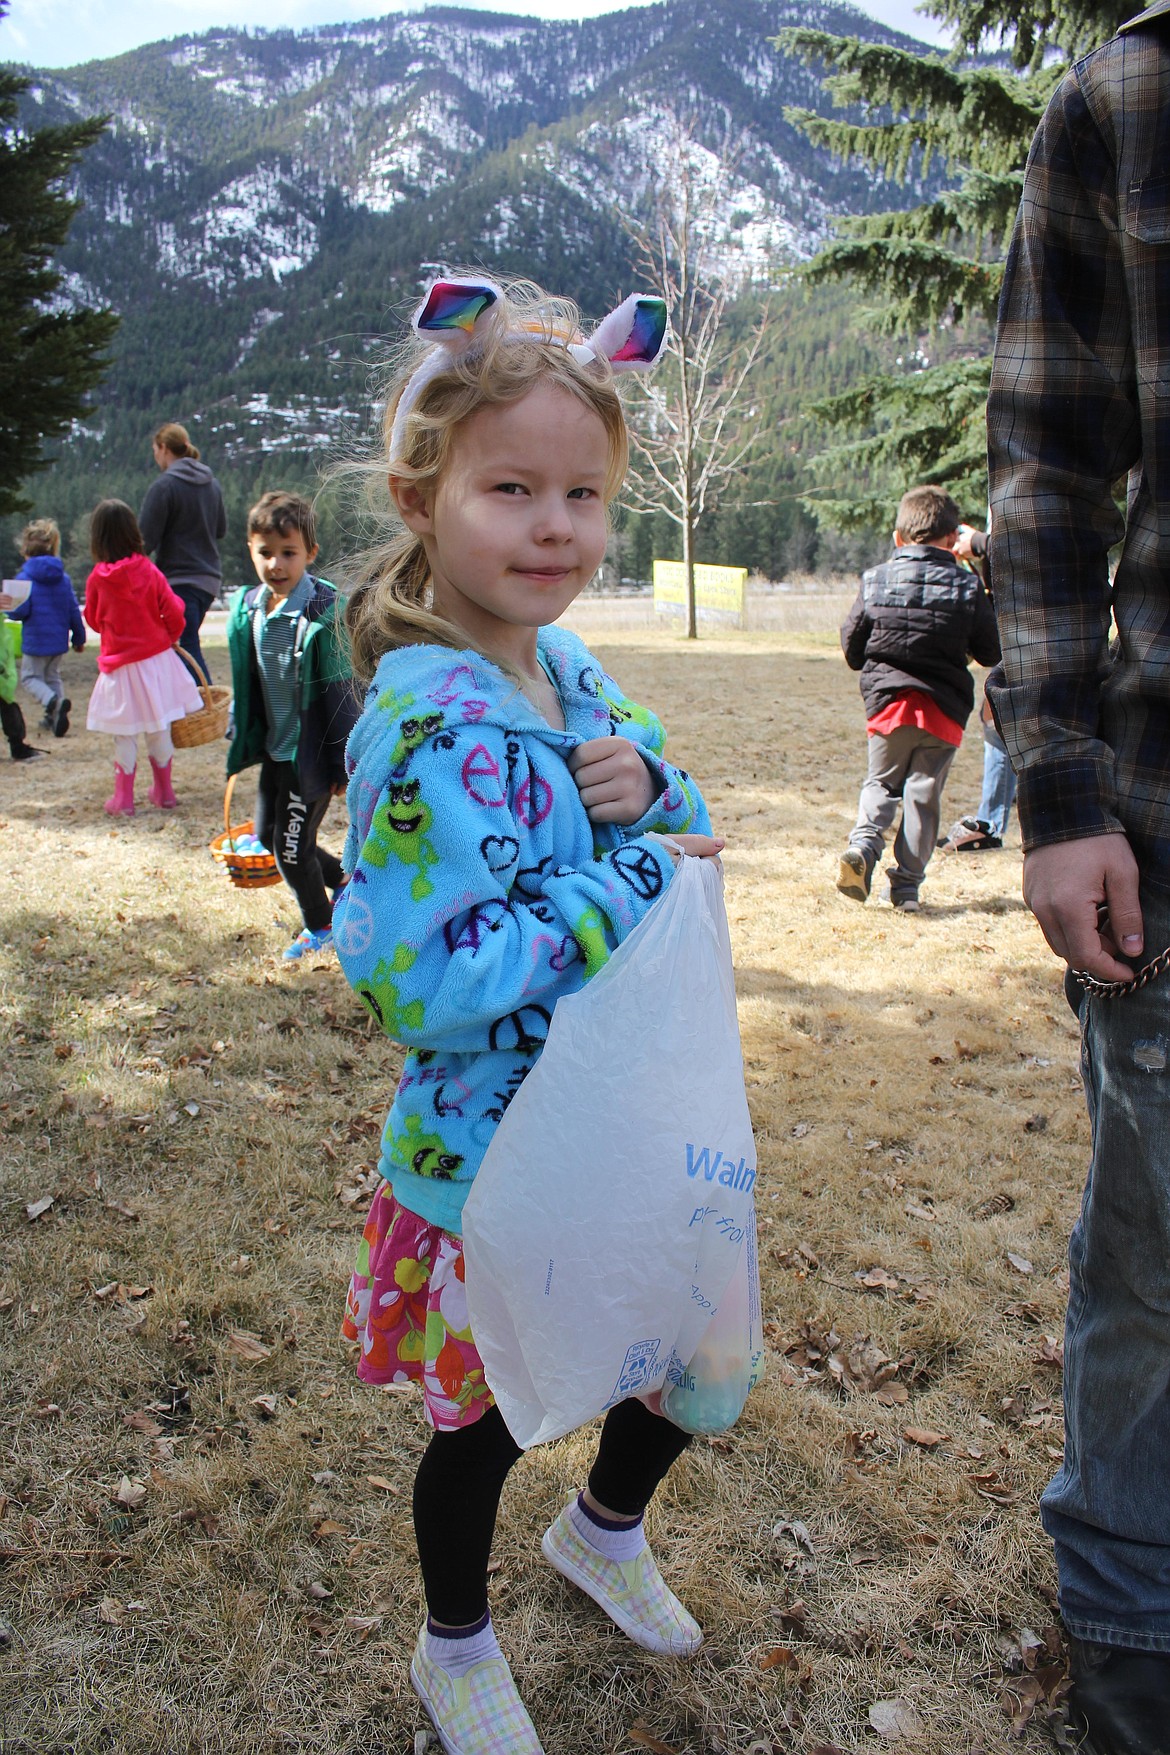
point(51, 613)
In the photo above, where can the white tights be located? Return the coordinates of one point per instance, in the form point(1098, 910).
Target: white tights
point(158, 747)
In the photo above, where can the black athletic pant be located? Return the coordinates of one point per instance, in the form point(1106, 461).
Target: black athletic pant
point(13, 726)
point(288, 828)
point(462, 1474)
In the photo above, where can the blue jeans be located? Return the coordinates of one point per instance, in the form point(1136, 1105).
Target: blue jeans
point(196, 604)
point(1108, 1508)
point(999, 783)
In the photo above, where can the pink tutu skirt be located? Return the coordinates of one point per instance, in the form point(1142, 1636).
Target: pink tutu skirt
point(147, 696)
point(408, 1308)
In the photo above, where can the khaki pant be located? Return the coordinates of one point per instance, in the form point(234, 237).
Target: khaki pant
point(907, 767)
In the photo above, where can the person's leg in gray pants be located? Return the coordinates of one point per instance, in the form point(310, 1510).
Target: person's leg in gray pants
point(906, 766)
point(41, 676)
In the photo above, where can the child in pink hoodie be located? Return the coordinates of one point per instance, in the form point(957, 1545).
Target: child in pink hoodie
point(143, 686)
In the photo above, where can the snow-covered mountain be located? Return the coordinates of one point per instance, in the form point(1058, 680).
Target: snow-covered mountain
point(264, 205)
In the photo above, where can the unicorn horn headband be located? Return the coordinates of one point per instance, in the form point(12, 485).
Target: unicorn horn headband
point(631, 338)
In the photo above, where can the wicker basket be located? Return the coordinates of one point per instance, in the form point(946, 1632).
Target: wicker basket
point(207, 722)
point(247, 871)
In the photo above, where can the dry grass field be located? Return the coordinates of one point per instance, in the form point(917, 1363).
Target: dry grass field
point(205, 1535)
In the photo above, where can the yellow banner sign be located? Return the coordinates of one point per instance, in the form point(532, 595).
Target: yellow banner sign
point(719, 591)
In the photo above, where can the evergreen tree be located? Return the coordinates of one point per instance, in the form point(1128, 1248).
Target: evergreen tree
point(50, 357)
point(935, 269)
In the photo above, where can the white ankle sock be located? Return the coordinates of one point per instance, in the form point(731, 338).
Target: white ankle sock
point(617, 1541)
point(468, 1647)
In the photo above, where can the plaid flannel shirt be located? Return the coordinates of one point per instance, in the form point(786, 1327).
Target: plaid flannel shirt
point(1080, 399)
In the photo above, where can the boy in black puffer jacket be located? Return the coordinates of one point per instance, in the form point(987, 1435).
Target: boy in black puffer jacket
point(918, 620)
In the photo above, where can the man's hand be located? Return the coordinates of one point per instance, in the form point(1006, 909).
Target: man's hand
point(615, 784)
point(7, 601)
point(1066, 882)
point(962, 549)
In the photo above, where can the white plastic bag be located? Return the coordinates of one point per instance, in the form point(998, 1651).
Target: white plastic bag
point(709, 1392)
point(610, 1210)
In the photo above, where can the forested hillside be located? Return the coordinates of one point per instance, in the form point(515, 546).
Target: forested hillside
point(264, 207)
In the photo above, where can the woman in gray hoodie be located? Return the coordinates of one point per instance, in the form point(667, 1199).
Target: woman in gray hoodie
point(182, 520)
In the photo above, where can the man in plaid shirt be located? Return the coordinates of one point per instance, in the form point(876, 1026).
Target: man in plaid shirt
point(1080, 402)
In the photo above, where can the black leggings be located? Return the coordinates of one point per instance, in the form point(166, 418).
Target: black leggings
point(462, 1474)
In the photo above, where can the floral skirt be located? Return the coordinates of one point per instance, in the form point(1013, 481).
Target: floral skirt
point(408, 1308)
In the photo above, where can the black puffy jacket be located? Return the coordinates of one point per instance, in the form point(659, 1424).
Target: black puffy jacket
point(918, 620)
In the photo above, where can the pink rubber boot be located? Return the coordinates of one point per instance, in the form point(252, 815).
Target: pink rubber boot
point(162, 793)
point(122, 803)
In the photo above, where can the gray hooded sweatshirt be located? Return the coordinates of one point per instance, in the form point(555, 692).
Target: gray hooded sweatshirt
point(181, 520)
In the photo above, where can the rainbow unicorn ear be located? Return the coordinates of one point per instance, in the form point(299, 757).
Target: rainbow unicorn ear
point(447, 317)
point(633, 337)
point(452, 308)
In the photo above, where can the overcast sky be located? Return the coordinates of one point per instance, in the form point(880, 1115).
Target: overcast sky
point(60, 33)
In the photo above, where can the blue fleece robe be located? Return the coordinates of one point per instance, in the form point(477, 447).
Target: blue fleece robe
point(481, 892)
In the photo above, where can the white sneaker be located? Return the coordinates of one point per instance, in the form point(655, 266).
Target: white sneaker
point(633, 1593)
point(480, 1713)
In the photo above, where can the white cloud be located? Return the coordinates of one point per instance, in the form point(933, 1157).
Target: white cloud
point(62, 33)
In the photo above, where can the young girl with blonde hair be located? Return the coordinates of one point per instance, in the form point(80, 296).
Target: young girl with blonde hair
point(503, 799)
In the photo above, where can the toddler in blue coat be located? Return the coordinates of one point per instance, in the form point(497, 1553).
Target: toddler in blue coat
point(52, 620)
point(504, 797)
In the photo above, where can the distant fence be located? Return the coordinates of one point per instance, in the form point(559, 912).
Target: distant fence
point(803, 607)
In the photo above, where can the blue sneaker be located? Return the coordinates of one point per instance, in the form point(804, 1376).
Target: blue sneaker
point(308, 941)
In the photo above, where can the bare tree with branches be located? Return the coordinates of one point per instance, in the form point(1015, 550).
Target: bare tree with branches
point(691, 431)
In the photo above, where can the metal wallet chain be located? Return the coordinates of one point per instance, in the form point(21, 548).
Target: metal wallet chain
point(1099, 989)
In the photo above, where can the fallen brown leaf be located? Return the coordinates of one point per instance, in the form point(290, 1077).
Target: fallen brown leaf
point(878, 1279)
point(381, 1482)
point(641, 1734)
point(894, 1719)
point(892, 1395)
point(924, 1437)
point(247, 1344)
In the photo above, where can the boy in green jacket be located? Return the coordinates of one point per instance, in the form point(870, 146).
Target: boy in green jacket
point(295, 705)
